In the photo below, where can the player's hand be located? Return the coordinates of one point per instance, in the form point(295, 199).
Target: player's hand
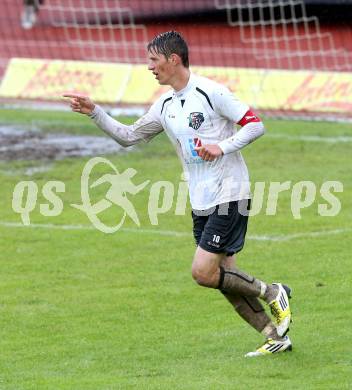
point(80, 103)
point(209, 152)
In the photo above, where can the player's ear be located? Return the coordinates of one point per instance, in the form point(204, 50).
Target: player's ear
point(175, 59)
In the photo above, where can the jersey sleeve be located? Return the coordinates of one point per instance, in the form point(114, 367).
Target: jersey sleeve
point(228, 105)
point(149, 125)
point(144, 129)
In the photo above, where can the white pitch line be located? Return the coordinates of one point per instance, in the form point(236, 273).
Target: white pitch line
point(173, 233)
point(90, 227)
point(292, 236)
point(312, 138)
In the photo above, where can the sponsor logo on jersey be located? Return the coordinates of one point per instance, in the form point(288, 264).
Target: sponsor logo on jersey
point(194, 143)
point(195, 120)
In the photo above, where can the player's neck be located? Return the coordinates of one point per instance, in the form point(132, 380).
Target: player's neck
point(181, 80)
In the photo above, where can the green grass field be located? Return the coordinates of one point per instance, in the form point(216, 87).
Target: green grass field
point(80, 309)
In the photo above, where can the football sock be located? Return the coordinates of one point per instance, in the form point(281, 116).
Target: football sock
point(270, 332)
point(270, 293)
point(251, 310)
point(236, 282)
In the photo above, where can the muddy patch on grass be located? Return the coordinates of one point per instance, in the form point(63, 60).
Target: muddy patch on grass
point(18, 144)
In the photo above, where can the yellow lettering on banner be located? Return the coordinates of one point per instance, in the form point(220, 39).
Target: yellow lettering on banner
point(269, 89)
point(288, 90)
point(323, 92)
point(48, 80)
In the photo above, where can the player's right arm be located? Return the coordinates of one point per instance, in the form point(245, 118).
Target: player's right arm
point(144, 129)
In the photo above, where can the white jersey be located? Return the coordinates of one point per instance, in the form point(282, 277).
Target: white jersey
point(204, 112)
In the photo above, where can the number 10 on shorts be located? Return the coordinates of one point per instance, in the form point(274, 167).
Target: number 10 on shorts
point(216, 238)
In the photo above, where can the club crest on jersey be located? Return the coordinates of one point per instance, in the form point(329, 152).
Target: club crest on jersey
point(195, 120)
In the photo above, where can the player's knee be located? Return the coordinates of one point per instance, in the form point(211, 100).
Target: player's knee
point(201, 277)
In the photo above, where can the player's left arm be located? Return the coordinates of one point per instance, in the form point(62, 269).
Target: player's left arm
point(251, 129)
point(228, 106)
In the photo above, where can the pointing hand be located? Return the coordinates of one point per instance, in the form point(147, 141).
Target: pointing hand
point(80, 103)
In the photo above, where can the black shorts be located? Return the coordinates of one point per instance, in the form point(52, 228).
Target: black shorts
point(223, 228)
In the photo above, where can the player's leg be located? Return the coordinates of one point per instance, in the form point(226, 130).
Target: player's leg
point(250, 308)
point(224, 232)
point(207, 271)
point(206, 267)
point(252, 311)
point(235, 281)
point(221, 232)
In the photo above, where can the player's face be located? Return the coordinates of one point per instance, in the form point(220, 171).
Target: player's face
point(161, 67)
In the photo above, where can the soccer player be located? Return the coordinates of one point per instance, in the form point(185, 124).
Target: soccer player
point(30, 12)
point(198, 115)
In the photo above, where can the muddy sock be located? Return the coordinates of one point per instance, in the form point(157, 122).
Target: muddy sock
point(270, 293)
point(250, 309)
point(236, 282)
point(270, 332)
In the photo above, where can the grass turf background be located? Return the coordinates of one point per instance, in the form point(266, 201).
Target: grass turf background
point(80, 309)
